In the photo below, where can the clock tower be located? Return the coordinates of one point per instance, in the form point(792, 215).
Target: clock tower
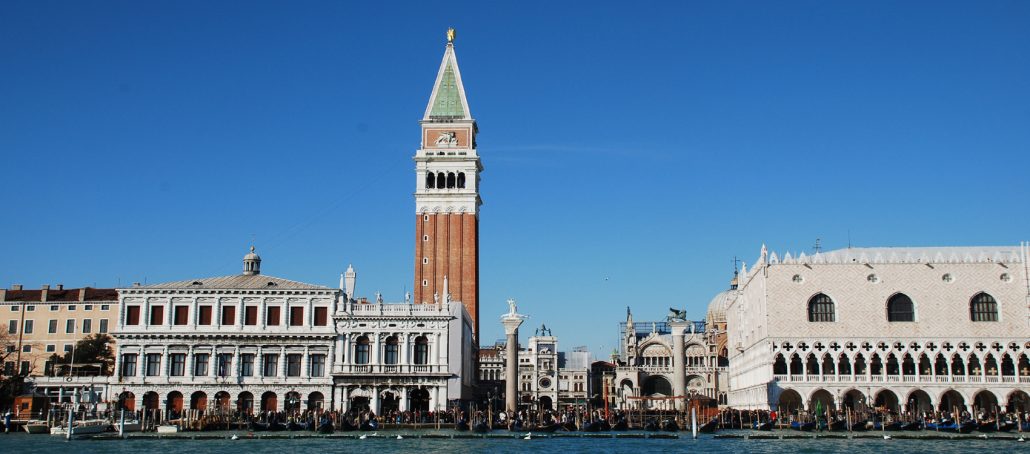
point(447, 198)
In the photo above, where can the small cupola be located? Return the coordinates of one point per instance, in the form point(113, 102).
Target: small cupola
point(251, 263)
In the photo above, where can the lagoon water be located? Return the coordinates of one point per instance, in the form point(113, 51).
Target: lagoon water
point(21, 443)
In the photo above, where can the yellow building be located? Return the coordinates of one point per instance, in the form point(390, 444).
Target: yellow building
point(40, 323)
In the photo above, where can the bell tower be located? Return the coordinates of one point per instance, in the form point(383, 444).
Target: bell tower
point(447, 198)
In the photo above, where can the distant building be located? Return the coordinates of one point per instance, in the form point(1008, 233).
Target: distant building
point(48, 321)
point(906, 329)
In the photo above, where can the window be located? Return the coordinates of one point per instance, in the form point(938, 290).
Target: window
point(250, 315)
point(296, 316)
point(421, 350)
point(14, 308)
point(205, 315)
point(103, 326)
point(157, 315)
point(247, 365)
point(132, 315)
point(26, 348)
point(67, 348)
point(24, 368)
point(69, 326)
point(51, 348)
point(177, 364)
point(28, 327)
point(390, 356)
point(293, 365)
point(71, 307)
point(317, 365)
point(430, 181)
point(321, 316)
point(87, 326)
point(361, 351)
point(33, 308)
point(153, 365)
point(425, 260)
point(900, 309)
point(182, 315)
point(269, 363)
point(200, 361)
point(272, 316)
point(820, 309)
point(12, 327)
point(228, 315)
point(54, 308)
point(129, 365)
point(9, 368)
point(224, 364)
point(105, 307)
point(87, 307)
point(983, 308)
point(52, 327)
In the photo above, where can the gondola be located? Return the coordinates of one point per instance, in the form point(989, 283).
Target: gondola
point(651, 426)
point(764, 426)
point(347, 426)
point(325, 426)
point(709, 427)
point(569, 426)
point(481, 427)
point(299, 425)
point(1007, 426)
point(911, 426)
point(987, 426)
point(894, 426)
point(836, 425)
point(370, 425)
point(621, 425)
point(670, 426)
point(592, 426)
point(462, 425)
point(546, 427)
point(861, 426)
point(257, 426)
point(515, 426)
point(802, 426)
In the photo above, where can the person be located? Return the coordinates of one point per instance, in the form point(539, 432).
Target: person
point(7, 421)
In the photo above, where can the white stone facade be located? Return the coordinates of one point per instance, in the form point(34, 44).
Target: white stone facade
point(965, 347)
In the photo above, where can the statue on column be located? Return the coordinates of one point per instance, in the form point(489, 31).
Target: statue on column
point(511, 306)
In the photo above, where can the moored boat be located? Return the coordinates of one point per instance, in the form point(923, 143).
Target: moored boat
point(709, 427)
point(36, 427)
point(84, 427)
point(802, 426)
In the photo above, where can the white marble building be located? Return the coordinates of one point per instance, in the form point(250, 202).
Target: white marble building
point(646, 373)
point(908, 329)
point(251, 342)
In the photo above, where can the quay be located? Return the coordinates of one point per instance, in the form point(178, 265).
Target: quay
point(569, 435)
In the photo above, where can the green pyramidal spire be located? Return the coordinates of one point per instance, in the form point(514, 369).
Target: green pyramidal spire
point(448, 102)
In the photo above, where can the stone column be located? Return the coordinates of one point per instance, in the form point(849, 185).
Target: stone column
point(511, 322)
point(679, 370)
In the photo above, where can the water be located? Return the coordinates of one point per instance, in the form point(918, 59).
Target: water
point(21, 443)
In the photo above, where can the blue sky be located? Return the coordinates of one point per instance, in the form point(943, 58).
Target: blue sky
point(648, 143)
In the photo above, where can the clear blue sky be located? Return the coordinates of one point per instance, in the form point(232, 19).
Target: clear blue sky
point(649, 143)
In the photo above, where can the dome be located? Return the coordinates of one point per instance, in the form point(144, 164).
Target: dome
point(251, 263)
point(717, 307)
point(252, 255)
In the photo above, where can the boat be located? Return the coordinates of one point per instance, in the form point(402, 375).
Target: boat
point(670, 426)
point(481, 427)
point(462, 425)
point(948, 425)
point(651, 426)
point(987, 426)
point(1007, 426)
point(709, 427)
point(347, 426)
point(569, 426)
point(861, 426)
point(621, 425)
point(836, 425)
point(802, 426)
point(370, 425)
point(36, 427)
point(894, 426)
point(592, 426)
point(764, 426)
point(84, 427)
point(167, 429)
point(914, 425)
point(325, 426)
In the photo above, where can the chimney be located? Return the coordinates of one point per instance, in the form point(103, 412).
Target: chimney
point(16, 287)
point(43, 294)
point(60, 287)
point(3, 294)
point(82, 294)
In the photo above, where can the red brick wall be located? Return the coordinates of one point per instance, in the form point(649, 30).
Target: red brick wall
point(452, 250)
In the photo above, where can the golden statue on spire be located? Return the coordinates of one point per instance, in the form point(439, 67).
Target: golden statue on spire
point(450, 35)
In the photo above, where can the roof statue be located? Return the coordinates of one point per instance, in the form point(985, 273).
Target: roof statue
point(676, 315)
point(451, 34)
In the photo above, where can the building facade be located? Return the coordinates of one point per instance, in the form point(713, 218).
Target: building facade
point(41, 323)
point(649, 368)
point(903, 329)
point(447, 200)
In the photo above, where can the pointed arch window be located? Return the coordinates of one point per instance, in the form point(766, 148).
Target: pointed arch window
point(983, 308)
point(820, 309)
point(900, 309)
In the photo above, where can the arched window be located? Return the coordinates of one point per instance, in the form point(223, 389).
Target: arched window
point(461, 180)
point(390, 355)
point(430, 181)
point(361, 351)
point(421, 350)
point(983, 308)
point(450, 181)
point(441, 181)
point(820, 309)
point(900, 309)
